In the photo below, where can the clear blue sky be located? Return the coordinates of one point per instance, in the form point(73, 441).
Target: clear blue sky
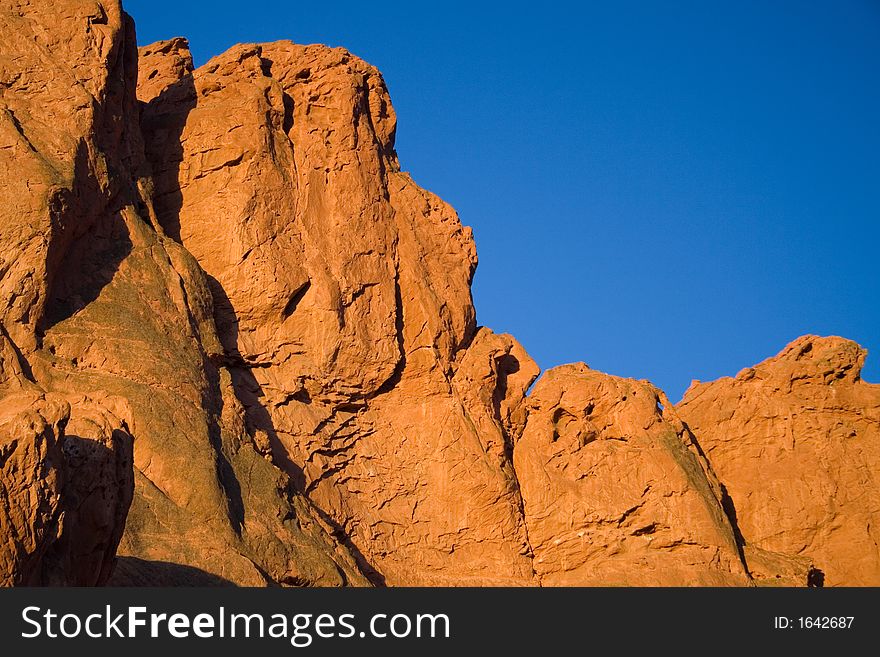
point(664, 190)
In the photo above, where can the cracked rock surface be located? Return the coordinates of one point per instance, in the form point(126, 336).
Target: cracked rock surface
point(238, 347)
point(110, 316)
point(796, 441)
point(615, 489)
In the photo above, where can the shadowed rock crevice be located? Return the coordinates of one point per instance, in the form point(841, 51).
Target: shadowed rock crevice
point(375, 577)
point(63, 497)
point(167, 95)
point(725, 500)
point(88, 246)
point(97, 493)
point(163, 148)
point(248, 392)
point(132, 571)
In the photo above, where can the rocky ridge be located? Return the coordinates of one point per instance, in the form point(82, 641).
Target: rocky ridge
point(222, 276)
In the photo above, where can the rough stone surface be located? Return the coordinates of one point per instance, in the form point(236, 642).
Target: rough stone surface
point(796, 441)
point(107, 313)
point(238, 347)
point(343, 298)
point(615, 491)
point(66, 465)
point(31, 480)
point(65, 488)
point(343, 302)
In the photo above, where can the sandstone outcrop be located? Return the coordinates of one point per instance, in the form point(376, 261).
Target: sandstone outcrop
point(615, 491)
point(65, 487)
point(343, 301)
point(30, 488)
point(238, 347)
point(66, 464)
point(796, 442)
point(107, 313)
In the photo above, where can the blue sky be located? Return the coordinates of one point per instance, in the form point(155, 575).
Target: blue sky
point(663, 190)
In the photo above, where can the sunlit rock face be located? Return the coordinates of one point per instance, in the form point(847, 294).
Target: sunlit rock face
point(238, 346)
point(110, 355)
point(796, 441)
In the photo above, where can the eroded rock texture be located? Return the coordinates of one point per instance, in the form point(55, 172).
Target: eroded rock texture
point(615, 489)
point(66, 465)
point(65, 488)
point(343, 301)
point(342, 296)
point(221, 292)
point(31, 480)
point(796, 441)
point(106, 313)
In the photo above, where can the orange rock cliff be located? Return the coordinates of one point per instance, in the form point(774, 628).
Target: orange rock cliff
point(238, 346)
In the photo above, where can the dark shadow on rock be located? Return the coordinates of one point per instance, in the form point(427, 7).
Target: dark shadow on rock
point(338, 532)
point(90, 241)
point(257, 418)
point(97, 493)
point(163, 120)
point(223, 449)
point(247, 389)
point(131, 571)
point(226, 473)
point(505, 365)
point(397, 374)
point(22, 360)
point(726, 500)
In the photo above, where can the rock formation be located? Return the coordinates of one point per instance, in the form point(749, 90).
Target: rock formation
point(615, 489)
point(343, 303)
point(223, 276)
point(59, 526)
point(107, 314)
point(65, 456)
point(796, 442)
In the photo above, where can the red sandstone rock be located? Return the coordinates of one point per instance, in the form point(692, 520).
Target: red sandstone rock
point(615, 491)
point(796, 441)
point(344, 307)
point(107, 314)
point(223, 276)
